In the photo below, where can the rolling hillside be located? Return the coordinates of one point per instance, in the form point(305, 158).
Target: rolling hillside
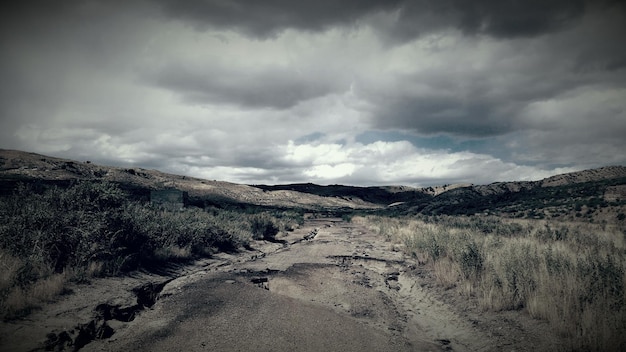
point(597, 193)
point(18, 166)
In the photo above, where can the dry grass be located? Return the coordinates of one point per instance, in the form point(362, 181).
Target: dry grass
point(447, 273)
point(9, 267)
point(90, 229)
point(19, 301)
point(18, 296)
point(571, 274)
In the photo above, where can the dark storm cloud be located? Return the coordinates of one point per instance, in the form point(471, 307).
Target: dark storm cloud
point(222, 89)
point(486, 90)
point(266, 18)
point(273, 87)
point(52, 49)
point(509, 18)
point(441, 114)
point(474, 103)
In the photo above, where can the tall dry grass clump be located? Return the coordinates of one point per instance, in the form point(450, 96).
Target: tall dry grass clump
point(51, 235)
point(573, 275)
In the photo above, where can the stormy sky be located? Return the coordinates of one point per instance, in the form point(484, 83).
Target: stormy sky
point(360, 92)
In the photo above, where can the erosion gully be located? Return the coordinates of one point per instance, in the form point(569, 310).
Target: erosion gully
point(329, 285)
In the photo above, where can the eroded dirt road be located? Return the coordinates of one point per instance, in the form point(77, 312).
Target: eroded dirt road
point(330, 285)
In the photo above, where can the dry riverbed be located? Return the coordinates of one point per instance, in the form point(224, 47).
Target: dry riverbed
point(329, 285)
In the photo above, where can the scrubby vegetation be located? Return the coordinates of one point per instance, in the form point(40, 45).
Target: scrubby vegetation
point(49, 235)
point(571, 274)
point(264, 227)
point(582, 201)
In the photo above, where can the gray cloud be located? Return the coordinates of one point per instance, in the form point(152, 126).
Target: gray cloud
point(275, 87)
point(222, 89)
point(503, 19)
point(584, 127)
point(431, 115)
point(268, 18)
point(487, 90)
point(413, 17)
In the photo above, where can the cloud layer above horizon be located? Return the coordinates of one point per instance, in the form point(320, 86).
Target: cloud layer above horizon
point(362, 92)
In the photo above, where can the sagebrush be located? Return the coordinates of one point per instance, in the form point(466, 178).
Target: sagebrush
point(571, 274)
point(94, 229)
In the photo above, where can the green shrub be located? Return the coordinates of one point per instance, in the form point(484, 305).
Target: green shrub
point(263, 227)
point(471, 260)
point(92, 228)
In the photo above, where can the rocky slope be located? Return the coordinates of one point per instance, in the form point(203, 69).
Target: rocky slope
point(18, 166)
point(568, 195)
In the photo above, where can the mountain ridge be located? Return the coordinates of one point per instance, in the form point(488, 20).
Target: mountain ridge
point(19, 166)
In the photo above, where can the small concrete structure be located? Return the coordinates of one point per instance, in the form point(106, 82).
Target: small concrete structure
point(170, 198)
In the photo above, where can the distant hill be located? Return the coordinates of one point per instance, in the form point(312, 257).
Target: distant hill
point(18, 166)
point(581, 194)
point(597, 193)
point(383, 195)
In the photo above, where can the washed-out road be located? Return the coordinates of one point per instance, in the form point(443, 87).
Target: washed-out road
point(328, 286)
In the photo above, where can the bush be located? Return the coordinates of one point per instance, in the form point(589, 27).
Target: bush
point(263, 227)
point(92, 229)
point(572, 275)
point(471, 260)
